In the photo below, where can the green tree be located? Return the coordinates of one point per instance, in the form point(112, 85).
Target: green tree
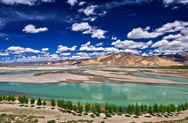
point(87, 107)
point(145, 108)
point(115, 108)
point(168, 109)
point(161, 108)
point(106, 106)
point(183, 107)
point(110, 109)
point(130, 109)
point(98, 108)
point(9, 97)
point(44, 103)
point(13, 98)
point(150, 110)
point(69, 105)
point(173, 107)
point(65, 105)
point(186, 105)
point(75, 108)
point(106, 113)
point(80, 108)
point(1, 98)
point(137, 109)
point(32, 101)
point(53, 102)
point(121, 109)
point(155, 108)
point(179, 108)
point(39, 102)
point(26, 100)
point(93, 109)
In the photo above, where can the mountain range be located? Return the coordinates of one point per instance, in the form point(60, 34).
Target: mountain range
point(129, 59)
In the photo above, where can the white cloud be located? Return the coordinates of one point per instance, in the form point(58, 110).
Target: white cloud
point(114, 38)
point(170, 47)
point(89, 10)
point(171, 36)
point(32, 29)
point(84, 26)
point(4, 54)
point(129, 44)
point(99, 44)
point(25, 2)
point(72, 2)
point(20, 50)
point(62, 48)
point(45, 49)
point(98, 33)
point(139, 33)
point(65, 54)
point(82, 3)
point(168, 2)
point(80, 26)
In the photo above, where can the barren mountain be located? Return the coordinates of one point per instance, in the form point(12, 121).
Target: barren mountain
point(129, 59)
point(181, 58)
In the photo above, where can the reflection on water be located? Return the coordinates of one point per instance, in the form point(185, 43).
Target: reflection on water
point(120, 94)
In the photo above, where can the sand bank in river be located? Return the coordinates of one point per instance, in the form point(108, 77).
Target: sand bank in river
point(55, 114)
point(67, 76)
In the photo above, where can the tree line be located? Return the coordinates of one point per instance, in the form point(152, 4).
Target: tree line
point(109, 109)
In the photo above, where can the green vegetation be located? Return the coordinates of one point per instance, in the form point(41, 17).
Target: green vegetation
point(109, 110)
point(53, 104)
point(39, 102)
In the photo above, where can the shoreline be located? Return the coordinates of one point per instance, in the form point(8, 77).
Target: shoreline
point(55, 114)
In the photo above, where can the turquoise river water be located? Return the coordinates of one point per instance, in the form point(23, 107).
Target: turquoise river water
point(119, 94)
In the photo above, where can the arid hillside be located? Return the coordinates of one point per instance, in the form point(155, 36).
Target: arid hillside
point(129, 59)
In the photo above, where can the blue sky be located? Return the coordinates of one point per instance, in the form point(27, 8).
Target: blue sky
point(50, 30)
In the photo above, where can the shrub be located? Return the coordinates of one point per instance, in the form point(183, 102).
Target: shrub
point(53, 102)
point(150, 110)
point(39, 102)
point(87, 107)
point(32, 101)
point(75, 108)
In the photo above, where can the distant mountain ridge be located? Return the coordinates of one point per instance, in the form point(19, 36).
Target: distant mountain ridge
point(129, 59)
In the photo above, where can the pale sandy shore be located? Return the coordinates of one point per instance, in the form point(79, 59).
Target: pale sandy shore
point(90, 76)
point(29, 68)
point(55, 114)
point(123, 77)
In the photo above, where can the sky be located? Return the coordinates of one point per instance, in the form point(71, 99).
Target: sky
point(51, 30)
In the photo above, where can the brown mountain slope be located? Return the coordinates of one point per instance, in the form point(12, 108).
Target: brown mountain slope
point(123, 59)
point(180, 58)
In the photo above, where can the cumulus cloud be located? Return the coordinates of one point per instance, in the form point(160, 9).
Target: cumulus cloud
point(62, 48)
point(129, 44)
point(72, 2)
point(20, 50)
point(45, 49)
point(114, 38)
point(139, 33)
point(89, 10)
point(84, 26)
point(99, 44)
point(4, 54)
point(170, 47)
point(80, 26)
point(25, 2)
point(65, 54)
point(32, 29)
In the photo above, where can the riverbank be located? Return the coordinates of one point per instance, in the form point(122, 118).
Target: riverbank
point(60, 74)
point(54, 114)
